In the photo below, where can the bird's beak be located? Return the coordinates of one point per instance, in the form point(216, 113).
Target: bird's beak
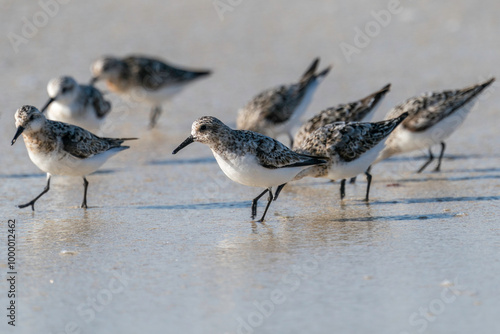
point(189, 140)
point(47, 104)
point(93, 80)
point(20, 130)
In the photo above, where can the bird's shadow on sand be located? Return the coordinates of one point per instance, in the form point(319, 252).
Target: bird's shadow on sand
point(451, 178)
point(198, 206)
point(396, 217)
point(445, 157)
point(435, 200)
point(43, 175)
point(205, 160)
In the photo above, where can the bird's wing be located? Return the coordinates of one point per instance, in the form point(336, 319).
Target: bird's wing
point(95, 98)
point(153, 73)
point(273, 154)
point(81, 143)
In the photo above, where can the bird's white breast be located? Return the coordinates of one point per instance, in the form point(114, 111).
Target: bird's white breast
point(76, 114)
point(58, 162)
point(340, 170)
point(246, 170)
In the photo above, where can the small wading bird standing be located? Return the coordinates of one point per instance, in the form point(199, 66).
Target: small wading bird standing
point(80, 105)
point(433, 117)
point(144, 79)
point(62, 149)
point(277, 110)
point(250, 158)
point(351, 148)
point(358, 111)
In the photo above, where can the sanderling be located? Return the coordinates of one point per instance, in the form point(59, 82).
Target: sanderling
point(249, 158)
point(351, 148)
point(75, 104)
point(143, 79)
point(276, 111)
point(358, 111)
point(433, 118)
point(62, 149)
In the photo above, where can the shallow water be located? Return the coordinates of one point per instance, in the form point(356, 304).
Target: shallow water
point(167, 245)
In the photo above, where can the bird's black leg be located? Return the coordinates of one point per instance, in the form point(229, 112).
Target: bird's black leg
point(342, 189)
point(369, 182)
point(32, 202)
point(352, 180)
point(254, 203)
point(155, 114)
point(269, 200)
point(443, 147)
point(85, 186)
point(431, 157)
point(278, 190)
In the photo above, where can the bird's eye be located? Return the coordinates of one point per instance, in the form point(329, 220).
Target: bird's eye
point(203, 127)
point(64, 90)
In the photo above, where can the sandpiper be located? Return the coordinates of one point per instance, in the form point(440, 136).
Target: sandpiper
point(433, 117)
point(144, 79)
point(277, 110)
point(76, 104)
point(351, 147)
point(358, 111)
point(249, 158)
point(62, 149)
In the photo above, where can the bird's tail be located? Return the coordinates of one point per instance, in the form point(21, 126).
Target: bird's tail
point(310, 73)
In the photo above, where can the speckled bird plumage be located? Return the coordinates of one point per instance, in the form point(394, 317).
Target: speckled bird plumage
point(247, 157)
point(144, 79)
point(351, 148)
point(344, 143)
point(275, 111)
point(358, 111)
point(62, 149)
point(138, 71)
point(433, 117)
point(66, 138)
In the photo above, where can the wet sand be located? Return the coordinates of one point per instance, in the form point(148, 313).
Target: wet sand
point(167, 245)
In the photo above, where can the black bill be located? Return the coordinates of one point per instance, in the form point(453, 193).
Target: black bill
point(20, 130)
point(47, 104)
point(189, 140)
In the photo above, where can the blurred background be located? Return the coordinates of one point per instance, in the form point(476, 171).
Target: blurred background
point(180, 230)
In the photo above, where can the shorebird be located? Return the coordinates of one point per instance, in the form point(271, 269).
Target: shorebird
point(144, 79)
point(433, 117)
point(351, 148)
point(277, 110)
point(62, 149)
point(358, 111)
point(75, 104)
point(249, 158)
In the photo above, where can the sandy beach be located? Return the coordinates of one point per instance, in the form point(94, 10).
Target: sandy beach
point(167, 244)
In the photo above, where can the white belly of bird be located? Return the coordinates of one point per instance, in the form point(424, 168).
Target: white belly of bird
point(346, 170)
point(154, 97)
point(247, 171)
point(74, 114)
point(57, 163)
point(409, 141)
